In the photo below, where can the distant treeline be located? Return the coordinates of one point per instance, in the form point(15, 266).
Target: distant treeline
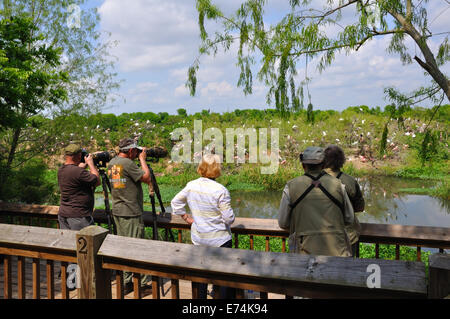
point(112, 121)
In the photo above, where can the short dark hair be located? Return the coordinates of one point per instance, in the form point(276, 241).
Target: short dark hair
point(334, 157)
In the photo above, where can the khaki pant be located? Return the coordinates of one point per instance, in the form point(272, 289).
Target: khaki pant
point(131, 227)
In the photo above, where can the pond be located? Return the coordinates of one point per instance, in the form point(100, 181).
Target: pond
point(387, 202)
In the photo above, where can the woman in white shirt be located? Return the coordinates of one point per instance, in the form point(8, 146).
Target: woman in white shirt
point(210, 205)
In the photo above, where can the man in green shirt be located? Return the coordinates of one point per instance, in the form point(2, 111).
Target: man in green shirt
point(334, 160)
point(126, 189)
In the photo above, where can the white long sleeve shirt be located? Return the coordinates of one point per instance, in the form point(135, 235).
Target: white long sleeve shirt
point(210, 205)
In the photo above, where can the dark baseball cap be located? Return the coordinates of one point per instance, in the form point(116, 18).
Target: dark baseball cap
point(312, 155)
point(127, 144)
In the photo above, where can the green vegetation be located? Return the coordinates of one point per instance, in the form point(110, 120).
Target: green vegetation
point(357, 130)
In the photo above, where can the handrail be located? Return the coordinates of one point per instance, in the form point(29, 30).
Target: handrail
point(36, 243)
point(292, 274)
point(97, 252)
point(422, 236)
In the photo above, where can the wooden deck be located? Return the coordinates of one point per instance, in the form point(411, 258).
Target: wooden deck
point(185, 286)
point(98, 253)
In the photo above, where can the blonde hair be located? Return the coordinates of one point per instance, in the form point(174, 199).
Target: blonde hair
point(209, 166)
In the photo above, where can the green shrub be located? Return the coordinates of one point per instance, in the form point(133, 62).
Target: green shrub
point(29, 184)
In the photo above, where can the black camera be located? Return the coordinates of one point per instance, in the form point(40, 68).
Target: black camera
point(155, 153)
point(100, 159)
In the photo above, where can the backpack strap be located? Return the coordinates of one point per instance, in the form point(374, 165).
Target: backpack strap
point(333, 199)
point(339, 175)
point(316, 183)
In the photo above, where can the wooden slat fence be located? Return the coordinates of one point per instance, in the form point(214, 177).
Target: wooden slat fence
point(97, 253)
point(36, 243)
point(398, 235)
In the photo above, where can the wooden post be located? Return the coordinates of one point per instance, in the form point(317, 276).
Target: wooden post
point(50, 280)
point(175, 289)
point(195, 290)
point(439, 284)
point(7, 288)
point(119, 285)
point(64, 290)
point(95, 282)
point(156, 288)
point(21, 277)
point(36, 279)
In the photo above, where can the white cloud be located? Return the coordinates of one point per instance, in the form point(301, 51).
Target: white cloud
point(181, 90)
point(159, 40)
point(143, 87)
point(151, 33)
point(214, 89)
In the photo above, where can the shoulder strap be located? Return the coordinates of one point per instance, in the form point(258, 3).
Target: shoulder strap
point(339, 175)
point(310, 188)
point(316, 183)
point(306, 192)
point(332, 198)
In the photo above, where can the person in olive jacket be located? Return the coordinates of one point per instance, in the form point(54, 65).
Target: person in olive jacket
point(314, 208)
point(334, 160)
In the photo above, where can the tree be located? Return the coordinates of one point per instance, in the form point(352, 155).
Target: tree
point(84, 60)
point(86, 57)
point(29, 80)
point(300, 34)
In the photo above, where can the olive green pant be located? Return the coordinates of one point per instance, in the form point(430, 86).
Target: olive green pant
point(131, 227)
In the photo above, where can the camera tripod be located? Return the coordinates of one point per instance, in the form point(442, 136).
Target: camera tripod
point(106, 185)
point(153, 189)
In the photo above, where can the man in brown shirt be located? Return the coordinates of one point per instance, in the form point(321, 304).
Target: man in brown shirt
point(77, 187)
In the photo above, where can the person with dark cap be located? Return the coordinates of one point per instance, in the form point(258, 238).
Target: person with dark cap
point(314, 208)
point(334, 160)
point(77, 186)
point(127, 195)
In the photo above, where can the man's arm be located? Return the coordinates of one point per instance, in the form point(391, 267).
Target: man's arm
point(358, 201)
point(92, 168)
point(146, 178)
point(284, 212)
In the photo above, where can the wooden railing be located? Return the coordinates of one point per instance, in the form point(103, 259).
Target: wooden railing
point(97, 253)
point(398, 235)
point(36, 243)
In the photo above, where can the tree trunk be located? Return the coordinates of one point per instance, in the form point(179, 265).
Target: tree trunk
point(429, 64)
point(12, 151)
point(6, 170)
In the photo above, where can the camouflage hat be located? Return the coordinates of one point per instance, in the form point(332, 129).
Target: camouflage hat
point(72, 149)
point(127, 144)
point(312, 155)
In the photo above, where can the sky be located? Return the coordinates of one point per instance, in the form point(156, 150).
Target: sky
point(158, 40)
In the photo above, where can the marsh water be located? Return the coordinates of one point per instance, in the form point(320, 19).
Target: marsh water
point(388, 201)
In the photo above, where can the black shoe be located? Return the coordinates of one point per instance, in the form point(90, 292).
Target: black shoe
point(128, 287)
